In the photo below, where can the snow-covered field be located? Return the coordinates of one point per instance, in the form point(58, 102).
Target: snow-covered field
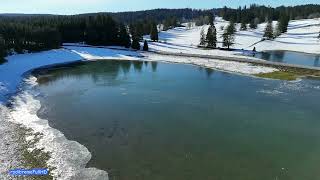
point(301, 36)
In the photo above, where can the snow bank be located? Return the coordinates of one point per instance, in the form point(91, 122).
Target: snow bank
point(230, 66)
point(11, 72)
point(91, 53)
point(8, 147)
point(68, 157)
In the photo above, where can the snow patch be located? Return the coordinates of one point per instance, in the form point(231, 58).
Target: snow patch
point(94, 53)
point(230, 66)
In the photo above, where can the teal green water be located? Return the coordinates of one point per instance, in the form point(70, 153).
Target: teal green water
point(290, 57)
point(144, 121)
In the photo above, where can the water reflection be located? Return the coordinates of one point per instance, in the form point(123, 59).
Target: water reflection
point(265, 56)
point(290, 57)
point(146, 63)
point(125, 66)
point(316, 61)
point(137, 65)
point(278, 55)
point(209, 72)
point(154, 66)
point(99, 72)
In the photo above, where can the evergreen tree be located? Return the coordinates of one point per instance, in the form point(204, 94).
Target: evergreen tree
point(211, 19)
point(214, 33)
point(231, 29)
point(124, 38)
point(268, 32)
point(319, 35)
point(282, 25)
point(211, 37)
point(135, 43)
point(3, 49)
point(154, 32)
point(254, 23)
point(228, 36)
point(243, 26)
point(145, 46)
point(170, 22)
point(202, 38)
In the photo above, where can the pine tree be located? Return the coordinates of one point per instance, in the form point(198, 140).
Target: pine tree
point(145, 46)
point(211, 19)
point(214, 33)
point(268, 32)
point(243, 26)
point(254, 23)
point(154, 32)
point(211, 37)
point(135, 43)
point(282, 25)
point(231, 29)
point(124, 38)
point(228, 36)
point(202, 38)
point(3, 49)
point(319, 35)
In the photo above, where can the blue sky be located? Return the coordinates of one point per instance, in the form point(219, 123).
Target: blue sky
point(84, 6)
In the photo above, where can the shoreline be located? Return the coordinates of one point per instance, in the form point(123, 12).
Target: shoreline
point(43, 145)
point(21, 95)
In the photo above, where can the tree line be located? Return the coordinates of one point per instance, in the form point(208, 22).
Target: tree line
point(256, 14)
point(37, 33)
point(42, 32)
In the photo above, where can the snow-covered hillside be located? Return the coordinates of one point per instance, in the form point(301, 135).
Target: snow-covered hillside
point(301, 36)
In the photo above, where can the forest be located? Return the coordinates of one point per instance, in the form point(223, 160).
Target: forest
point(20, 33)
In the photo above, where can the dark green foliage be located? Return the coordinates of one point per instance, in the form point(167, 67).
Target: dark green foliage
point(282, 26)
point(124, 37)
point(101, 30)
point(231, 29)
point(254, 23)
point(3, 49)
point(158, 15)
point(202, 20)
point(154, 32)
point(243, 26)
point(228, 36)
point(135, 43)
point(170, 23)
point(211, 37)
point(202, 38)
point(139, 29)
point(145, 45)
point(248, 15)
point(268, 32)
point(211, 19)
